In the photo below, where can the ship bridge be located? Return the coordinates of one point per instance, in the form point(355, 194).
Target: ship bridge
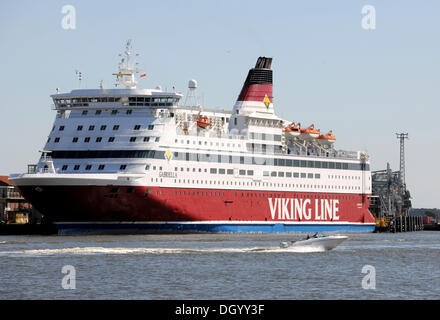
point(128, 97)
point(109, 98)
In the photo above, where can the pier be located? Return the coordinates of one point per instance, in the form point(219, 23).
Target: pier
point(406, 224)
point(390, 202)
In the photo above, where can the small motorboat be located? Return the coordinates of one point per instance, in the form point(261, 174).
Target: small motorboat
point(316, 241)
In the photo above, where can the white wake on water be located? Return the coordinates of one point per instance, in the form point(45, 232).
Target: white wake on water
point(102, 250)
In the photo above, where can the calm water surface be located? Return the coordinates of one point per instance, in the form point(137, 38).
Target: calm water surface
point(219, 266)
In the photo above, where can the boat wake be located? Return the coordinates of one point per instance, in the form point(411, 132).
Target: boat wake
point(136, 251)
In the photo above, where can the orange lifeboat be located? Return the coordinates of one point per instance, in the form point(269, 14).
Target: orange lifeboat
point(309, 134)
point(293, 129)
point(203, 122)
point(327, 139)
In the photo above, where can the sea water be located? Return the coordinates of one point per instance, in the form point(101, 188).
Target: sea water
point(219, 266)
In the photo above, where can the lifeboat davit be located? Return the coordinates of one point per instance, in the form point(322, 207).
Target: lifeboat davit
point(293, 129)
point(309, 134)
point(203, 122)
point(326, 139)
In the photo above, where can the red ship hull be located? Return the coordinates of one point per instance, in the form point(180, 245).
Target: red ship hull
point(197, 209)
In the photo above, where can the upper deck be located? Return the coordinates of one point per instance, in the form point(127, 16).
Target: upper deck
point(129, 123)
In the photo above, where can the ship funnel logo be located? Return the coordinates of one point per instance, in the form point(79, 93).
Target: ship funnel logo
point(266, 101)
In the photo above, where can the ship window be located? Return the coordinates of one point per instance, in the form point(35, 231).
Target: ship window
point(84, 112)
point(213, 170)
point(76, 167)
point(91, 128)
point(98, 112)
point(273, 174)
point(79, 128)
point(250, 172)
point(64, 168)
point(146, 139)
point(265, 173)
point(115, 127)
point(157, 139)
point(75, 140)
point(101, 167)
point(103, 127)
point(221, 171)
point(114, 112)
point(111, 139)
point(98, 139)
point(280, 174)
point(310, 175)
point(87, 139)
point(137, 127)
point(288, 174)
point(61, 128)
point(57, 140)
point(303, 175)
point(147, 167)
point(88, 167)
point(132, 139)
point(128, 111)
point(331, 165)
point(338, 165)
point(242, 172)
point(150, 127)
point(230, 171)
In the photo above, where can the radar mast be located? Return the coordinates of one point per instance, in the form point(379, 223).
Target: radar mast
point(125, 75)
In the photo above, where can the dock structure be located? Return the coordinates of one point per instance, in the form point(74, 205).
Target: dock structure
point(13, 207)
point(390, 201)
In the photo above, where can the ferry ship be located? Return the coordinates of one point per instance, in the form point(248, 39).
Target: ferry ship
point(132, 160)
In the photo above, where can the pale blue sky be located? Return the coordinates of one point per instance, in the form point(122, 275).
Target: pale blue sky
point(364, 84)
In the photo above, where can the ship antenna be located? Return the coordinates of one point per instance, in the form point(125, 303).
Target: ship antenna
point(126, 70)
point(192, 98)
point(79, 74)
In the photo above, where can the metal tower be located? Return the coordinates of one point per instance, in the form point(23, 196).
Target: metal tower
point(402, 137)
